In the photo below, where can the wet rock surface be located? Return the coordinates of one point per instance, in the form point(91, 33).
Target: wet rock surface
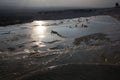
point(89, 38)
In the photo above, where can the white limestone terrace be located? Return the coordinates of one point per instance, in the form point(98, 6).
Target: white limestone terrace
point(44, 43)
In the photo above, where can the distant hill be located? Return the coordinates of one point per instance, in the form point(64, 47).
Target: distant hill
point(18, 18)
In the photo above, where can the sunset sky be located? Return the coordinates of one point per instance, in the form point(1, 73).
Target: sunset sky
point(56, 3)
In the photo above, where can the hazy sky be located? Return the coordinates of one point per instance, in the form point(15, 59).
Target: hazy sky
point(56, 3)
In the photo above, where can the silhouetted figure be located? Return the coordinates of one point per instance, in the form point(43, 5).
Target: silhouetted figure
point(117, 4)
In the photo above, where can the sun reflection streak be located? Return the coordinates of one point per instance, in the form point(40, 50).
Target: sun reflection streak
point(38, 23)
point(39, 30)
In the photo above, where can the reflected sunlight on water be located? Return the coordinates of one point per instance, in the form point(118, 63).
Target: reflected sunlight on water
point(39, 23)
point(39, 32)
